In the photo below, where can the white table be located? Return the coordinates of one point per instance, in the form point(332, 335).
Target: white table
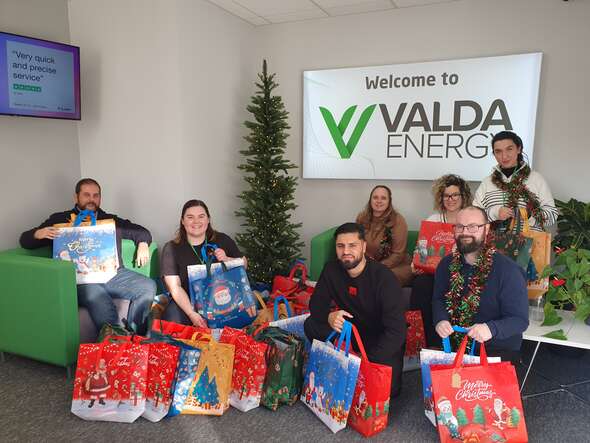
point(578, 336)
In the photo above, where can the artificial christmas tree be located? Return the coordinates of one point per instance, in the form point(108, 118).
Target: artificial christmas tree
point(270, 240)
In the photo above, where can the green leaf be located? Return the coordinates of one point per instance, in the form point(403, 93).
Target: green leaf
point(556, 335)
point(551, 317)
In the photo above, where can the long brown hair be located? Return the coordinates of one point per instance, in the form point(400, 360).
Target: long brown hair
point(366, 216)
point(181, 232)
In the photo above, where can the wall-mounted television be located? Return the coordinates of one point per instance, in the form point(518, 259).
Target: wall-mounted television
point(39, 78)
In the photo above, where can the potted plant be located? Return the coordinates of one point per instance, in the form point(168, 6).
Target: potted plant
point(573, 224)
point(569, 286)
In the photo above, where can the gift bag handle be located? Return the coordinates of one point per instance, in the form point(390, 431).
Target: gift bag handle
point(345, 337)
point(447, 343)
point(298, 267)
point(359, 342)
point(259, 298)
point(279, 299)
point(483, 356)
point(82, 216)
point(342, 337)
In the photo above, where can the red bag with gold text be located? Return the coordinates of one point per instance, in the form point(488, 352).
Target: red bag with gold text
point(435, 240)
point(477, 403)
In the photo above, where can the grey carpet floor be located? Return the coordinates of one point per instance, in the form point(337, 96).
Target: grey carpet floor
point(35, 401)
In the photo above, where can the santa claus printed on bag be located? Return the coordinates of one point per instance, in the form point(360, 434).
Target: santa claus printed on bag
point(97, 384)
point(222, 296)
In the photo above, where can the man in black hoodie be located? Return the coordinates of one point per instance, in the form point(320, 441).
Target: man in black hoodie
point(126, 284)
point(365, 293)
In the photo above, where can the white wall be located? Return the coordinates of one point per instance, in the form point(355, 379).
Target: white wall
point(165, 87)
point(166, 83)
point(462, 29)
point(39, 159)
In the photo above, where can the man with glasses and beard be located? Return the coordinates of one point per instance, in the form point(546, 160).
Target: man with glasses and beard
point(365, 293)
point(480, 289)
point(126, 284)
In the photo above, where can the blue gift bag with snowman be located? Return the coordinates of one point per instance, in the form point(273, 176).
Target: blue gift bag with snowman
point(330, 380)
point(91, 246)
point(221, 292)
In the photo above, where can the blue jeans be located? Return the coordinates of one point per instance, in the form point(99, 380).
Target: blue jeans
point(126, 284)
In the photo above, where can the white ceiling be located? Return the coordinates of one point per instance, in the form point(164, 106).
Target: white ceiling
point(266, 12)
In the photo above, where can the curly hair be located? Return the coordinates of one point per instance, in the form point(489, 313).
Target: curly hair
point(438, 190)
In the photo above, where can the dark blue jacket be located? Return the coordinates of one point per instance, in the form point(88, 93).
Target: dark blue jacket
point(503, 305)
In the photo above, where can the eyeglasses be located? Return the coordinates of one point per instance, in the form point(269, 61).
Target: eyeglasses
point(472, 229)
point(454, 196)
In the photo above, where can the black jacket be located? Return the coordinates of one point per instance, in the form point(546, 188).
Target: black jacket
point(125, 229)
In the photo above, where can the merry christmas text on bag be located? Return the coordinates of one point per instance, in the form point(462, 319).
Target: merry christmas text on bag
point(478, 402)
point(92, 247)
point(435, 357)
point(435, 241)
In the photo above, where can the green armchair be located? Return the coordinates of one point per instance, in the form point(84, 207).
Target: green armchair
point(39, 315)
point(323, 249)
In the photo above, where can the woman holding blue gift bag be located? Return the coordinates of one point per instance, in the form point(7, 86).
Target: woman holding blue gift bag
point(195, 233)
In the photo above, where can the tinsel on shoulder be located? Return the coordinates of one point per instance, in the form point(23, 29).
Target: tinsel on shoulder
point(463, 307)
point(516, 189)
point(386, 244)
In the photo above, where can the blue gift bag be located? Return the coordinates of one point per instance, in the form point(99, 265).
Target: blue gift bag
point(330, 380)
point(221, 293)
point(90, 246)
point(188, 362)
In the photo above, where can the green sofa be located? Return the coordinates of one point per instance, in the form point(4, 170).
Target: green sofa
point(39, 315)
point(323, 249)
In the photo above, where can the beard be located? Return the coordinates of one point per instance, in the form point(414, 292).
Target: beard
point(350, 264)
point(467, 248)
point(90, 206)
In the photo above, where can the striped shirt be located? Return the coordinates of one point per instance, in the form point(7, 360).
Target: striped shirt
point(489, 197)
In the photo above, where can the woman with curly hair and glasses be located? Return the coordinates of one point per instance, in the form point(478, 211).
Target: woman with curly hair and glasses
point(386, 234)
point(451, 194)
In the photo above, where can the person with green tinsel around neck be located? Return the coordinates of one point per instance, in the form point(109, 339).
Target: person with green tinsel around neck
point(513, 184)
point(480, 289)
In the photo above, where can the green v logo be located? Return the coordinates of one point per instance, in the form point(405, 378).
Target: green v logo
point(337, 130)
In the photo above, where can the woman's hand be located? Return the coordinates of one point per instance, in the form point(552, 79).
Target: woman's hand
point(197, 320)
point(220, 255)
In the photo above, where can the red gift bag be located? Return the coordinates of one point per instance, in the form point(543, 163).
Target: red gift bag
point(178, 330)
point(415, 338)
point(162, 363)
point(435, 240)
point(110, 381)
point(249, 369)
point(297, 292)
point(477, 403)
point(370, 404)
